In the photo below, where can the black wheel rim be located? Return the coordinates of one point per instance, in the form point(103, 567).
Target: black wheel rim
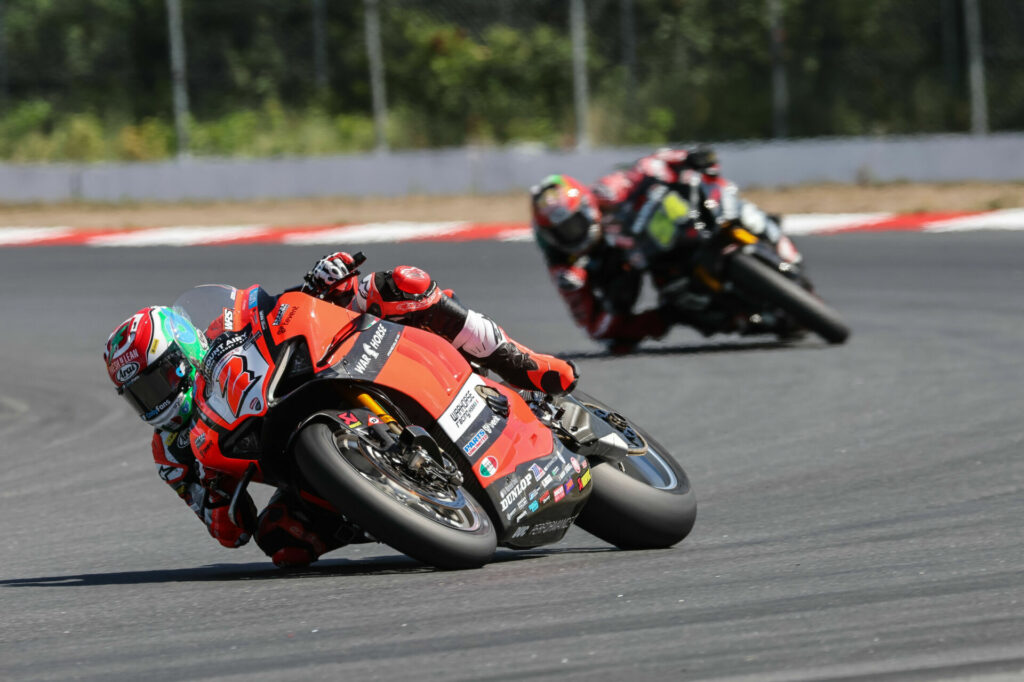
point(446, 505)
point(645, 461)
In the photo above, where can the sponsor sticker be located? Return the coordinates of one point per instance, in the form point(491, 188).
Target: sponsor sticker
point(536, 471)
point(127, 371)
point(559, 493)
point(569, 485)
point(575, 464)
point(281, 310)
point(584, 479)
point(551, 526)
point(475, 442)
point(350, 420)
point(252, 297)
point(512, 493)
point(466, 407)
point(488, 467)
point(534, 506)
point(371, 349)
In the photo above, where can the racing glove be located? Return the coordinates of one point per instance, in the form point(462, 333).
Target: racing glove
point(328, 271)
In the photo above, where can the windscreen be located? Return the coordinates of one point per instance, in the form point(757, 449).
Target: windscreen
point(205, 303)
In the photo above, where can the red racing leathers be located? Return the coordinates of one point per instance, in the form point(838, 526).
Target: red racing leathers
point(293, 533)
point(602, 285)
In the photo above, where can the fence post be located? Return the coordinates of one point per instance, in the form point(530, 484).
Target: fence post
point(976, 68)
point(179, 77)
point(578, 30)
point(320, 44)
point(377, 83)
point(780, 88)
point(627, 26)
point(4, 82)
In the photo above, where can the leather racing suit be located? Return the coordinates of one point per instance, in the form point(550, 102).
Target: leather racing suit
point(295, 533)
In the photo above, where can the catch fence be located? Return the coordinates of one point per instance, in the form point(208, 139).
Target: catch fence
point(111, 79)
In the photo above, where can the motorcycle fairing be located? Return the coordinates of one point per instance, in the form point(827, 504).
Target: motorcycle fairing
point(539, 501)
point(515, 458)
point(427, 368)
point(232, 386)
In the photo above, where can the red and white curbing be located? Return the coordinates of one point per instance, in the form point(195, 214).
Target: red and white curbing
point(299, 235)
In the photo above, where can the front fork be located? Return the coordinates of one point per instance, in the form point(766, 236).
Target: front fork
point(412, 444)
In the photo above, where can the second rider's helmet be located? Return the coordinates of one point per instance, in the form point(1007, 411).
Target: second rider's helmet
point(152, 358)
point(565, 214)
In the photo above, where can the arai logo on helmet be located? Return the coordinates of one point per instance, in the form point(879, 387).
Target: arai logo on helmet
point(126, 372)
point(488, 467)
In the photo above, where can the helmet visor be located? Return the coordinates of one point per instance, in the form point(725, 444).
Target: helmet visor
point(159, 384)
point(573, 230)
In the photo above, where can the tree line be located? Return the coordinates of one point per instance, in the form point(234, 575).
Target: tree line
point(90, 79)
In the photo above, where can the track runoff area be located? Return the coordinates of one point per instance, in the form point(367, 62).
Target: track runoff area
point(396, 231)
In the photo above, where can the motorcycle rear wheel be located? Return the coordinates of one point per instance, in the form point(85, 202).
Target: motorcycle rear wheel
point(643, 501)
point(441, 526)
point(762, 282)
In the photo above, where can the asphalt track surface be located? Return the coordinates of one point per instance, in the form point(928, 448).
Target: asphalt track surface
point(860, 512)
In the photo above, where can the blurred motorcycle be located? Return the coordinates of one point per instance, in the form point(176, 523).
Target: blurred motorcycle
point(725, 266)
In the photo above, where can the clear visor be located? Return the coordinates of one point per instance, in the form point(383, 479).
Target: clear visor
point(159, 384)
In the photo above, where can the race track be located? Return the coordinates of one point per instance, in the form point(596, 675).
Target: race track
point(861, 507)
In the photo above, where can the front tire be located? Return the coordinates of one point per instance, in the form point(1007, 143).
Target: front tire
point(643, 501)
point(763, 283)
point(441, 526)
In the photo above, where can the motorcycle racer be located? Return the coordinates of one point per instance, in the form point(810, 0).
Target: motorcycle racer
point(153, 358)
point(584, 234)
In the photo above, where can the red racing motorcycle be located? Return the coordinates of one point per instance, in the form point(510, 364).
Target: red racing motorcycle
point(393, 430)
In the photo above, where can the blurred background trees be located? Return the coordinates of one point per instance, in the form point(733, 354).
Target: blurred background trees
point(91, 80)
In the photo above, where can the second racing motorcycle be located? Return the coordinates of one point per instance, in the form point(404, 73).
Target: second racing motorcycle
point(392, 430)
point(725, 266)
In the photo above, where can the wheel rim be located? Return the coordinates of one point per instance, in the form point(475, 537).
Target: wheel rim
point(644, 462)
point(446, 505)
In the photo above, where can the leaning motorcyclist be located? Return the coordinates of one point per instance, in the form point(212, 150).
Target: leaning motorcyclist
point(598, 266)
point(153, 356)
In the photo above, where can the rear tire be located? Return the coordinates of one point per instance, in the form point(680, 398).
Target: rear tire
point(446, 528)
point(642, 502)
point(763, 283)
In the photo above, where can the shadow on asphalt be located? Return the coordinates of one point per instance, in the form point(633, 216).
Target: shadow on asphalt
point(725, 346)
point(389, 565)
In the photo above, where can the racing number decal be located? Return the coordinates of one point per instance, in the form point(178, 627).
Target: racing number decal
point(235, 380)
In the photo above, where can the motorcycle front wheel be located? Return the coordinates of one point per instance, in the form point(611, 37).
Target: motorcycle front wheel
point(761, 282)
point(644, 500)
point(440, 525)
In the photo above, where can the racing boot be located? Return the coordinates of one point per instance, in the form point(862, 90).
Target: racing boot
point(485, 342)
point(481, 340)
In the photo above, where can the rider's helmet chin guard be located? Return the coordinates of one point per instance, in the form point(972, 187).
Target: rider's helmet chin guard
point(152, 358)
point(566, 215)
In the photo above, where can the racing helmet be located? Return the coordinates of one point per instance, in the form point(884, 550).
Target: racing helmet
point(565, 214)
point(152, 358)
